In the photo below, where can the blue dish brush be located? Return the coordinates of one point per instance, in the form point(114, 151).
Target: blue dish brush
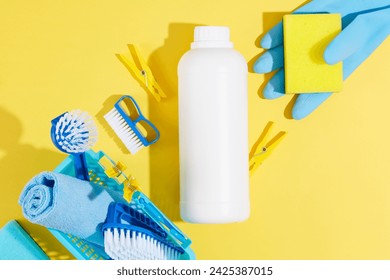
point(131, 235)
point(74, 133)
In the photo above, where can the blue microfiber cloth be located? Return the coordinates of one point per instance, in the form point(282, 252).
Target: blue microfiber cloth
point(67, 204)
point(16, 244)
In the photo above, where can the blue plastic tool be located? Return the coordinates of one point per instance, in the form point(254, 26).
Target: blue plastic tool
point(120, 215)
point(74, 133)
point(174, 233)
point(127, 121)
point(139, 202)
point(130, 234)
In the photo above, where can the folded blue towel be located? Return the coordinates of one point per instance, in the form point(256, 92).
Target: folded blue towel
point(67, 204)
point(16, 244)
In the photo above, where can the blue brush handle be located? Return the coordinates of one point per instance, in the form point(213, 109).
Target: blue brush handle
point(120, 215)
point(133, 123)
point(80, 166)
point(53, 132)
point(173, 231)
point(79, 159)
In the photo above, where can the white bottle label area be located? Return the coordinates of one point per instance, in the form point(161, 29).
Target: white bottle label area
point(213, 133)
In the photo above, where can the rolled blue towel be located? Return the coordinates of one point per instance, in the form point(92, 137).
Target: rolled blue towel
point(67, 204)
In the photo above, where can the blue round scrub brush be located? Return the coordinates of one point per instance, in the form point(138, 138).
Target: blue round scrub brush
point(74, 133)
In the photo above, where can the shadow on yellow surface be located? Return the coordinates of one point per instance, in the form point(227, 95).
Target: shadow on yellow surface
point(164, 156)
point(19, 164)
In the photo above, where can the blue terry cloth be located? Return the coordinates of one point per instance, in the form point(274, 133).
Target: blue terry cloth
point(16, 244)
point(67, 204)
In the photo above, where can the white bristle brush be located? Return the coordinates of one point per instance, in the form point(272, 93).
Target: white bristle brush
point(127, 126)
point(125, 244)
point(130, 235)
point(74, 133)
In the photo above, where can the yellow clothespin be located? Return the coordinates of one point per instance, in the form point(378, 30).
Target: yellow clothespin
point(129, 187)
point(142, 73)
point(112, 170)
point(261, 150)
point(115, 171)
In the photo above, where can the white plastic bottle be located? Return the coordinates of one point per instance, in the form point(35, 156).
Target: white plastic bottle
point(213, 130)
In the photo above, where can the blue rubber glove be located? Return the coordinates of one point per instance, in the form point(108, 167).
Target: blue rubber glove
point(365, 24)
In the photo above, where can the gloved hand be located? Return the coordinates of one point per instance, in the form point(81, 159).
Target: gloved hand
point(365, 25)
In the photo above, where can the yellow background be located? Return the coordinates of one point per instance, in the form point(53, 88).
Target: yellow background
point(323, 194)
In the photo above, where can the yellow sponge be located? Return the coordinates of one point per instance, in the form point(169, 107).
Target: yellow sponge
point(306, 37)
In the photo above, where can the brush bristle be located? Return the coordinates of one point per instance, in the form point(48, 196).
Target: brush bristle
point(76, 132)
point(124, 131)
point(121, 244)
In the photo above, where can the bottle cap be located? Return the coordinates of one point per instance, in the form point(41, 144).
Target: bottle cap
point(212, 37)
